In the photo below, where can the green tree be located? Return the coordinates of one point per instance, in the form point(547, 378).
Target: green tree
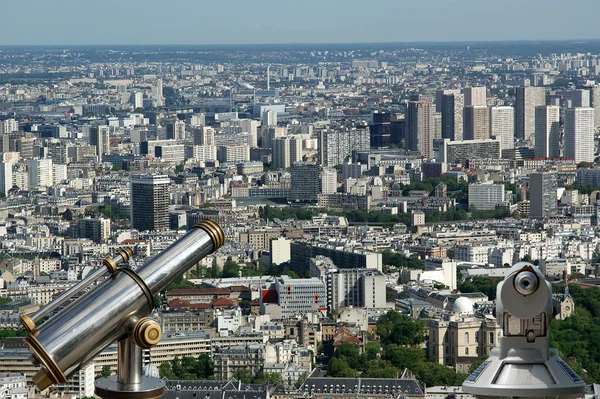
point(166, 371)
point(243, 375)
point(400, 329)
point(105, 372)
point(231, 269)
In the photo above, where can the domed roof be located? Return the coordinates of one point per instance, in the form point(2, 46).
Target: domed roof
point(150, 370)
point(463, 305)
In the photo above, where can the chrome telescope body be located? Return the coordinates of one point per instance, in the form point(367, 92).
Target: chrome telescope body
point(110, 267)
point(116, 309)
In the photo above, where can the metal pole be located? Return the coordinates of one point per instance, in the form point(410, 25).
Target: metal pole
point(129, 362)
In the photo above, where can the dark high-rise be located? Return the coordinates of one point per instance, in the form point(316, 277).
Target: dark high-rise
point(381, 130)
point(150, 202)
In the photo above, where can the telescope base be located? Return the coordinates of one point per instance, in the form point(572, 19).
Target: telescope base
point(149, 388)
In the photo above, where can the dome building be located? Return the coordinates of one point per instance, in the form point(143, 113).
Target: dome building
point(460, 337)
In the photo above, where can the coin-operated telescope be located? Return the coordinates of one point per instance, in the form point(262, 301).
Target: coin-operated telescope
point(524, 365)
point(117, 309)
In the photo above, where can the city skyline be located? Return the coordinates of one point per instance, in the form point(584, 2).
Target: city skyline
point(266, 23)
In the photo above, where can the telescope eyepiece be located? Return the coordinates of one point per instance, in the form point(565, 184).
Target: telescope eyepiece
point(526, 282)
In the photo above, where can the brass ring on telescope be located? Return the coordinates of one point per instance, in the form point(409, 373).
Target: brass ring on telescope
point(27, 322)
point(50, 368)
point(146, 333)
point(214, 231)
point(142, 285)
point(110, 265)
point(126, 253)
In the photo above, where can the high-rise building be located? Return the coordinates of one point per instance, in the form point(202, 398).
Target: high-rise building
point(361, 288)
point(438, 97)
point(6, 177)
point(485, 196)
point(328, 181)
point(547, 131)
point(580, 98)
point(452, 116)
point(337, 144)
point(203, 135)
point(9, 126)
point(527, 98)
point(40, 173)
point(233, 153)
point(150, 202)
point(99, 136)
point(579, 134)
point(542, 196)
point(476, 122)
point(96, 230)
point(380, 129)
point(305, 182)
point(418, 127)
point(137, 99)
point(502, 126)
point(287, 151)
point(175, 130)
point(475, 96)
point(595, 103)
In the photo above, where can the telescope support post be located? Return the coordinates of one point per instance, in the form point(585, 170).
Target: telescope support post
point(129, 383)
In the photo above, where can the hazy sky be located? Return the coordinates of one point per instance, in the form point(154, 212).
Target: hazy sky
point(287, 21)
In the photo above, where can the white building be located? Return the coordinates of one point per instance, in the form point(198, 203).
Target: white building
point(286, 151)
point(6, 177)
point(547, 131)
point(485, 196)
point(40, 173)
point(298, 296)
point(502, 126)
point(280, 250)
point(579, 134)
point(475, 96)
point(328, 181)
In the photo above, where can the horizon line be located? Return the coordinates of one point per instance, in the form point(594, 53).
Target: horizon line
point(496, 41)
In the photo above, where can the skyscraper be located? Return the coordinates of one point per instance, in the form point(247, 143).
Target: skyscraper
point(203, 135)
point(579, 134)
point(547, 131)
point(595, 103)
point(175, 130)
point(502, 126)
point(475, 96)
point(418, 127)
point(328, 181)
point(40, 173)
point(452, 116)
point(150, 202)
point(337, 144)
point(476, 122)
point(439, 94)
point(527, 98)
point(380, 129)
point(6, 177)
point(287, 151)
point(305, 181)
point(542, 187)
point(99, 136)
point(580, 98)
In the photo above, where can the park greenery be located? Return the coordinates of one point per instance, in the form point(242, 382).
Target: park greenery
point(390, 258)
point(398, 349)
point(188, 368)
point(576, 336)
point(479, 284)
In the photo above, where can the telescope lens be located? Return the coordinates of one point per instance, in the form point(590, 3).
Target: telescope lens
point(526, 283)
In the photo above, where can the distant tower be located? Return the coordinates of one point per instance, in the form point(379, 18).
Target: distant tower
point(150, 202)
point(268, 77)
point(579, 134)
